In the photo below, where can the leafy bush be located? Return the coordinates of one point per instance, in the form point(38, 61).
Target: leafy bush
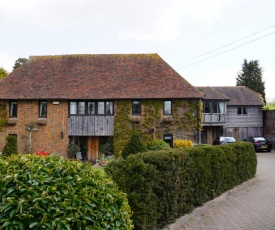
point(157, 145)
point(11, 146)
point(183, 144)
point(134, 145)
point(166, 184)
point(51, 193)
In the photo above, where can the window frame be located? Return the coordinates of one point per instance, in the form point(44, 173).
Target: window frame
point(138, 113)
point(87, 108)
point(242, 109)
point(11, 111)
point(164, 108)
point(40, 103)
point(171, 142)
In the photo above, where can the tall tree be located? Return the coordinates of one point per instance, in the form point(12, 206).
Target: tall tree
point(3, 73)
point(251, 77)
point(19, 62)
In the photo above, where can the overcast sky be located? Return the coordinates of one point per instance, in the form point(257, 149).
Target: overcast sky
point(180, 31)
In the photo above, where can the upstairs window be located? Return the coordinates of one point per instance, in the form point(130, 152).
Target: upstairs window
point(91, 108)
point(167, 108)
point(13, 109)
point(109, 108)
point(214, 107)
point(42, 109)
point(136, 108)
point(241, 110)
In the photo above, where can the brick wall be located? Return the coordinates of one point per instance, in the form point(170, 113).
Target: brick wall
point(269, 126)
point(48, 134)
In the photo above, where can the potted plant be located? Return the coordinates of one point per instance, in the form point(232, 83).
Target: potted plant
point(103, 161)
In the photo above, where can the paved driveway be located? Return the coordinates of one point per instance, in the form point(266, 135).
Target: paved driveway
point(251, 206)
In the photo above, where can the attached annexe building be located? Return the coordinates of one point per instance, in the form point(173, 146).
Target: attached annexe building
point(231, 111)
point(86, 99)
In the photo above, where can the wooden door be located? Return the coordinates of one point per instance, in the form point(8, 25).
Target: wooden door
point(93, 148)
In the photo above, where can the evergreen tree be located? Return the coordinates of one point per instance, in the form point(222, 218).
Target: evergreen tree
point(134, 145)
point(11, 146)
point(19, 62)
point(251, 77)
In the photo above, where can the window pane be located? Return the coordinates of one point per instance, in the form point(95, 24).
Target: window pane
point(73, 107)
point(100, 108)
point(136, 108)
point(109, 108)
point(244, 110)
point(239, 110)
point(81, 107)
point(42, 109)
point(91, 108)
point(13, 109)
point(214, 107)
point(206, 107)
point(167, 107)
point(221, 107)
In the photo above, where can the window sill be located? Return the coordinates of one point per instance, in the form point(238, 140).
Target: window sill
point(12, 121)
point(136, 119)
point(41, 121)
point(167, 119)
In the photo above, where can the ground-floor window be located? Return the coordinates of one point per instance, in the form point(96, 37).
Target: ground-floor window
point(168, 138)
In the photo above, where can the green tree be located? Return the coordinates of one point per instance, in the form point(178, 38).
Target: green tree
point(3, 73)
point(11, 146)
point(134, 145)
point(19, 62)
point(251, 77)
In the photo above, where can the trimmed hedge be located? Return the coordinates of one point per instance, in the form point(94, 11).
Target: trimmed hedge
point(51, 193)
point(164, 185)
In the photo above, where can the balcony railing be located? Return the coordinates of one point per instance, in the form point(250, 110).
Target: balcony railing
point(214, 118)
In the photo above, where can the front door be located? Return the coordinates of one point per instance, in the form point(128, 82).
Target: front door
point(93, 148)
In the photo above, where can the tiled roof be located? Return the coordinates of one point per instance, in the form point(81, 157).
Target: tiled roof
point(238, 95)
point(107, 76)
point(210, 93)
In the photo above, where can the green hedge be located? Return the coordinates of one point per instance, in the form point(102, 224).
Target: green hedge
point(164, 185)
point(52, 193)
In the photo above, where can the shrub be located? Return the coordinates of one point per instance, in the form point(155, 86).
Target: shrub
point(166, 184)
point(157, 145)
point(11, 146)
point(51, 193)
point(183, 144)
point(134, 145)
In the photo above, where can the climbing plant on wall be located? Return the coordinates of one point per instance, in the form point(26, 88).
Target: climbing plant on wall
point(3, 116)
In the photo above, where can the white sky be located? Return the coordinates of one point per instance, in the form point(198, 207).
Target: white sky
point(178, 30)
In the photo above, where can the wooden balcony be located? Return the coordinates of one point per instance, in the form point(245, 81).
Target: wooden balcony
point(215, 118)
point(80, 125)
